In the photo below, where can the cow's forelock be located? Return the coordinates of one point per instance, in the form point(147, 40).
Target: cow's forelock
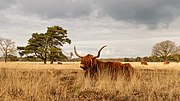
point(87, 62)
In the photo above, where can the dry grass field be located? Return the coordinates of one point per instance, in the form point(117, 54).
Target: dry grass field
point(25, 81)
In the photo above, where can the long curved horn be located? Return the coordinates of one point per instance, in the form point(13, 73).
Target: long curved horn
point(77, 53)
point(99, 52)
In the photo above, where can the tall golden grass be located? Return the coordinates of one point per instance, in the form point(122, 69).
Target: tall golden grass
point(24, 81)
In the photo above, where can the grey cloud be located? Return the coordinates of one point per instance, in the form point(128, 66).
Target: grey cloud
point(149, 12)
point(152, 13)
point(56, 8)
point(5, 3)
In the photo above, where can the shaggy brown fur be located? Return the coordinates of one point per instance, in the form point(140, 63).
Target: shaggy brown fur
point(166, 62)
point(96, 68)
point(144, 63)
point(59, 63)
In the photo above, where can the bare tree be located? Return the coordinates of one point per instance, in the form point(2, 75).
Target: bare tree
point(7, 46)
point(164, 49)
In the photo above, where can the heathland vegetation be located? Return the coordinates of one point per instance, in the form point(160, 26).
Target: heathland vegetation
point(27, 81)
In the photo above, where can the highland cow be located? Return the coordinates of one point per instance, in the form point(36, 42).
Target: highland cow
point(166, 62)
point(95, 68)
point(143, 62)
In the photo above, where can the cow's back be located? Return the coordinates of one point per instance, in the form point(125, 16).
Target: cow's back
point(116, 69)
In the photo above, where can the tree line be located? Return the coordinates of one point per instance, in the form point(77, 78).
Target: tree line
point(48, 46)
point(162, 51)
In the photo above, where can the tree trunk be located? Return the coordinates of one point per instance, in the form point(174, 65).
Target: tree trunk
point(44, 61)
point(45, 56)
point(52, 60)
point(21, 58)
point(5, 57)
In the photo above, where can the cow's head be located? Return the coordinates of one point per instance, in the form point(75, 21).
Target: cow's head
point(88, 61)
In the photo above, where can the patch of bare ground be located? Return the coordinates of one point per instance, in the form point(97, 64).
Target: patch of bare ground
point(55, 84)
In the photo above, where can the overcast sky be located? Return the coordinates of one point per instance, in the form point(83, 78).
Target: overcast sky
point(129, 28)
